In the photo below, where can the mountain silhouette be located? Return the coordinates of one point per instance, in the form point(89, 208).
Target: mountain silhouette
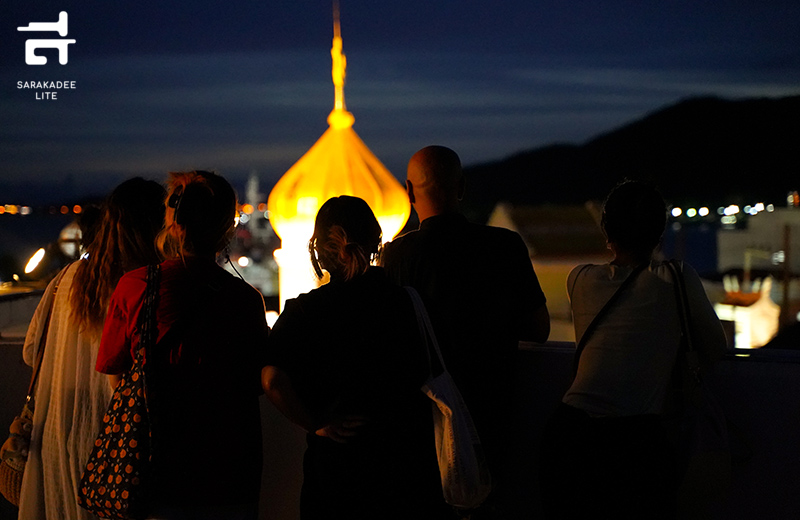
point(700, 151)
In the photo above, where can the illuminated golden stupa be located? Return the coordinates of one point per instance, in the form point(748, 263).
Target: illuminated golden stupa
point(339, 163)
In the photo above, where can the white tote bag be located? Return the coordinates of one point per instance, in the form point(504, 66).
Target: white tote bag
point(466, 481)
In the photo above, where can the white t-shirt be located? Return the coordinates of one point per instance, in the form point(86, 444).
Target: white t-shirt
point(626, 364)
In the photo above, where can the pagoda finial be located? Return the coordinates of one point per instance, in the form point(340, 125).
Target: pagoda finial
point(339, 59)
point(339, 117)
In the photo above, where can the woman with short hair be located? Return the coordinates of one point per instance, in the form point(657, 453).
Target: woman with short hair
point(606, 451)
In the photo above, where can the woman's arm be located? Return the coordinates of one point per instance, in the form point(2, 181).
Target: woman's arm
point(279, 390)
point(36, 326)
point(706, 330)
point(114, 379)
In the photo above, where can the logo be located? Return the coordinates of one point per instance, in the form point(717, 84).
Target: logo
point(31, 46)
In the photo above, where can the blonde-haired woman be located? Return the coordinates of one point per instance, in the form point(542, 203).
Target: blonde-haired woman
point(346, 364)
point(71, 397)
point(206, 361)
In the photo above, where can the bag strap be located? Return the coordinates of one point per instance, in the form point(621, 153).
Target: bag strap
point(148, 326)
point(43, 340)
point(603, 311)
point(686, 349)
point(426, 332)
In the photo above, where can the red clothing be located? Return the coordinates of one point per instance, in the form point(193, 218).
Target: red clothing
point(205, 368)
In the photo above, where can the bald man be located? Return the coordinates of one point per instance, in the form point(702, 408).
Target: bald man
point(481, 292)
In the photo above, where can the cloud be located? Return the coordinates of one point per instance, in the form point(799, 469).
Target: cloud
point(239, 112)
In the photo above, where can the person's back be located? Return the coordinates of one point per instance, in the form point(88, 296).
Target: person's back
point(203, 380)
point(476, 283)
point(71, 398)
point(352, 349)
point(480, 289)
point(608, 428)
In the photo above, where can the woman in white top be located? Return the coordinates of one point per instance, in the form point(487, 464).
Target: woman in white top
point(71, 397)
point(606, 452)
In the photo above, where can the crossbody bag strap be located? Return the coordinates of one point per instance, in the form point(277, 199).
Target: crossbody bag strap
point(148, 325)
point(426, 333)
point(686, 350)
point(603, 311)
point(43, 340)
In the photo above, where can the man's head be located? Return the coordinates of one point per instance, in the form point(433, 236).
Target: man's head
point(435, 182)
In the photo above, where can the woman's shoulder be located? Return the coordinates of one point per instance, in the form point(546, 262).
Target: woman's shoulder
point(591, 270)
point(667, 269)
point(133, 279)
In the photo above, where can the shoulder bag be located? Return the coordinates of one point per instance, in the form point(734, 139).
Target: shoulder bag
point(14, 453)
point(701, 426)
point(118, 475)
point(466, 481)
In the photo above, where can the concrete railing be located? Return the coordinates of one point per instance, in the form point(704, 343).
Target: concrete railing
point(760, 393)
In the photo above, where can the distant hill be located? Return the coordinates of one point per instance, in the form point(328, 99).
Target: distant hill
point(699, 151)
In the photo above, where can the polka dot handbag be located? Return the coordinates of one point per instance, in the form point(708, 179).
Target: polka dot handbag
point(115, 481)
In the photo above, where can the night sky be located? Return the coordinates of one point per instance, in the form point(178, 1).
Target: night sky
point(245, 86)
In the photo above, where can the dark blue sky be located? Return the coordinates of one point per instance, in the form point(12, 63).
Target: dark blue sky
point(245, 86)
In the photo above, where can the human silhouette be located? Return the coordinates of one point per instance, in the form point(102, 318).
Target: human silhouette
point(482, 295)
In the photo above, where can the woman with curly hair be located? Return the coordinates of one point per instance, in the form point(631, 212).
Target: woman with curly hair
point(346, 364)
point(71, 397)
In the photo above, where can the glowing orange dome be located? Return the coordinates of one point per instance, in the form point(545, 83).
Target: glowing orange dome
point(339, 163)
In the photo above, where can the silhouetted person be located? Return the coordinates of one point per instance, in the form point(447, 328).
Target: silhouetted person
point(606, 453)
point(481, 292)
point(71, 397)
point(206, 363)
point(346, 365)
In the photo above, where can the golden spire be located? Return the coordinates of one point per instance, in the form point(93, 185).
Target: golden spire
point(339, 163)
point(339, 116)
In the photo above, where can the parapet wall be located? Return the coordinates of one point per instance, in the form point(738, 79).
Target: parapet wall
point(760, 393)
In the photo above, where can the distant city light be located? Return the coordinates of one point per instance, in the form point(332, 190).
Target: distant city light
point(262, 207)
point(759, 206)
point(728, 219)
point(676, 212)
point(64, 210)
point(25, 210)
point(243, 261)
point(33, 263)
point(244, 218)
point(720, 210)
point(691, 212)
point(247, 209)
point(778, 258)
point(77, 209)
point(770, 208)
point(733, 209)
point(703, 211)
